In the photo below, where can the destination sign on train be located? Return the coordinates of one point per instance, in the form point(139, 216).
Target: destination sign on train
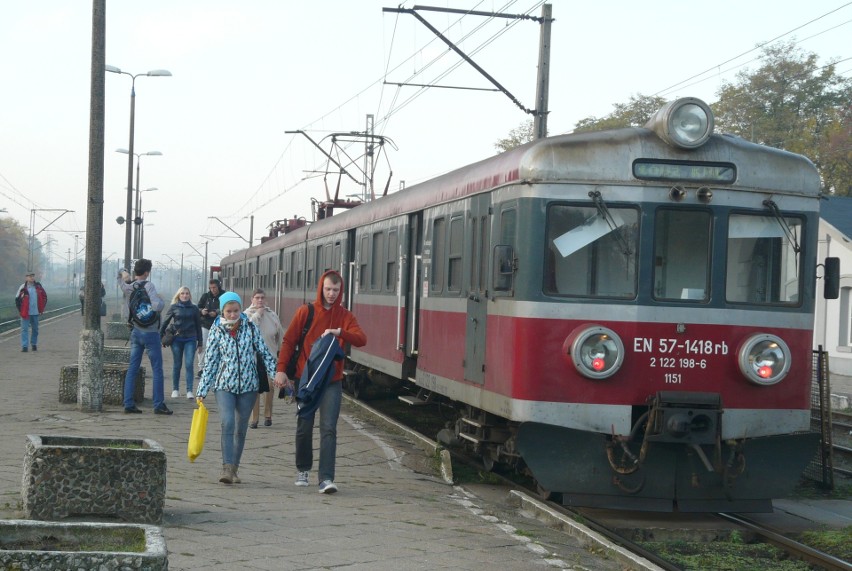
point(684, 171)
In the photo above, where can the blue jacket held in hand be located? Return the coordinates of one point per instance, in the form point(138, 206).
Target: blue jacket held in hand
point(317, 373)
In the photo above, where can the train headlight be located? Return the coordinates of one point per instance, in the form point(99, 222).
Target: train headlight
point(686, 123)
point(597, 352)
point(764, 359)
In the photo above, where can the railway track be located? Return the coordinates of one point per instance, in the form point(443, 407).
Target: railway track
point(793, 548)
point(15, 323)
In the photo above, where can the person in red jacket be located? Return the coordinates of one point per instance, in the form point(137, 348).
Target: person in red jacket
point(330, 318)
point(31, 299)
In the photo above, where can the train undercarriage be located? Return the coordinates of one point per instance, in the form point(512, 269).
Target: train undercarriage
point(673, 459)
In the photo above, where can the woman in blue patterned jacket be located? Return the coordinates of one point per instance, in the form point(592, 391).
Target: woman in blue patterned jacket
point(230, 369)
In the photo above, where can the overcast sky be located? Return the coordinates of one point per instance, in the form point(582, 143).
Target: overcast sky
point(246, 72)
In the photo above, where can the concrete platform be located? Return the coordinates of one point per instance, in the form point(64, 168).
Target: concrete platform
point(393, 510)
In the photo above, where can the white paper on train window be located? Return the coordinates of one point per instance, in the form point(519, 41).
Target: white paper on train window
point(592, 229)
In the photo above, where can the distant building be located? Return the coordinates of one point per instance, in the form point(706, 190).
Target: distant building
point(833, 325)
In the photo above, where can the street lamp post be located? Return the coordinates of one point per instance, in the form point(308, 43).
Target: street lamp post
point(137, 222)
point(152, 73)
point(141, 243)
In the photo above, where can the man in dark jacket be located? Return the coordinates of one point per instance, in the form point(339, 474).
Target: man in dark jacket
point(30, 299)
point(209, 307)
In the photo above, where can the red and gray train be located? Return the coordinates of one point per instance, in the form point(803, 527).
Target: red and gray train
point(627, 315)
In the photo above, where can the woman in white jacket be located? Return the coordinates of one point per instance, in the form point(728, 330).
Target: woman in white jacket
point(271, 329)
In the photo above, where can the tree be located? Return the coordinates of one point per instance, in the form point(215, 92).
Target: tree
point(14, 252)
point(792, 103)
point(521, 134)
point(633, 114)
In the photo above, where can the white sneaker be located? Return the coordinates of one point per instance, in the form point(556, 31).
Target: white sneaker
point(175, 394)
point(327, 487)
point(302, 479)
point(189, 395)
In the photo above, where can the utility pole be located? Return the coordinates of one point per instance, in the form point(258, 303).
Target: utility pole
point(543, 78)
point(90, 375)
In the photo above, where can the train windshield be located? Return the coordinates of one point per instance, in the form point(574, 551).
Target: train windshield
point(763, 263)
point(682, 241)
point(591, 251)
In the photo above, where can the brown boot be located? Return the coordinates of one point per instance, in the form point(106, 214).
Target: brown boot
point(234, 477)
point(227, 474)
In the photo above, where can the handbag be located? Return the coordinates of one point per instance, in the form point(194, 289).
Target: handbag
point(262, 375)
point(103, 308)
point(168, 336)
point(197, 432)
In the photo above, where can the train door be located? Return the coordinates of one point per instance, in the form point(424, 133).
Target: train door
point(477, 302)
point(279, 292)
point(415, 283)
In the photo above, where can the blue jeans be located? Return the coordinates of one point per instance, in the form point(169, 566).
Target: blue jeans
point(183, 350)
point(139, 343)
point(26, 323)
point(234, 412)
point(329, 411)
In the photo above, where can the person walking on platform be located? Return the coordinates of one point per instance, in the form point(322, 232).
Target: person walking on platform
point(185, 319)
point(82, 297)
point(270, 327)
point(231, 371)
point(330, 318)
point(30, 299)
point(209, 307)
point(144, 306)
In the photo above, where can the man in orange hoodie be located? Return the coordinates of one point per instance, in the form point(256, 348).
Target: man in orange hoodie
point(330, 318)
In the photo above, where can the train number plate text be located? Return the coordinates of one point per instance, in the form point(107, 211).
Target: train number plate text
point(673, 357)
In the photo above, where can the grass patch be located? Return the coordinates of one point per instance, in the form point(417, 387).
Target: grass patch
point(103, 540)
point(725, 556)
point(836, 542)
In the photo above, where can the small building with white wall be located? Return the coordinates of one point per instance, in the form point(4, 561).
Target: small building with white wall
point(833, 323)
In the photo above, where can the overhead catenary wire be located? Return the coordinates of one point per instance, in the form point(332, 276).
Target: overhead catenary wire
point(382, 121)
point(759, 46)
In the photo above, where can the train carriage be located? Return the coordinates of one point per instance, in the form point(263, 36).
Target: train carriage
point(625, 314)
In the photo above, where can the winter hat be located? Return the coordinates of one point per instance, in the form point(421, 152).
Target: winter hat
point(229, 296)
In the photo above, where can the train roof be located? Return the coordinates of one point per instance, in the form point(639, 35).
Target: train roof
point(595, 157)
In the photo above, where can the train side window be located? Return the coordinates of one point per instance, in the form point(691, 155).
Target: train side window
point(591, 252)
point(504, 267)
point(763, 265)
point(390, 269)
point(378, 258)
point(682, 241)
point(363, 260)
point(439, 246)
point(335, 257)
point(454, 272)
point(300, 268)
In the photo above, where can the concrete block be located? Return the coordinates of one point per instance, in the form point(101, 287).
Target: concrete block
point(113, 384)
point(67, 476)
point(117, 330)
point(57, 546)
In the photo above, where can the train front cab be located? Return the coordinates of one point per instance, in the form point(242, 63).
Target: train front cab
point(716, 276)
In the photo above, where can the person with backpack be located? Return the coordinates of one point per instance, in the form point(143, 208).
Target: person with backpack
point(144, 306)
point(31, 299)
point(329, 318)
